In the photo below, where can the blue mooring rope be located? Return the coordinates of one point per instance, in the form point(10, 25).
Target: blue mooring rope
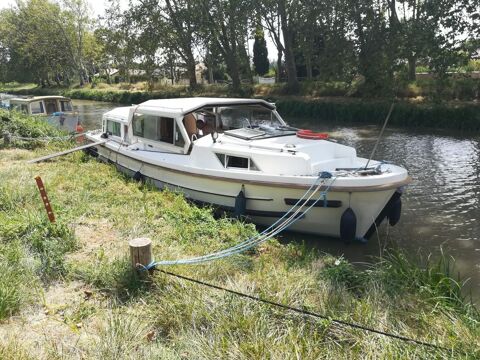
point(257, 239)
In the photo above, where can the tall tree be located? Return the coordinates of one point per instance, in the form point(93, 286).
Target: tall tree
point(182, 23)
point(223, 21)
point(270, 21)
point(77, 28)
point(260, 53)
point(115, 36)
point(286, 11)
point(39, 48)
point(372, 40)
point(431, 29)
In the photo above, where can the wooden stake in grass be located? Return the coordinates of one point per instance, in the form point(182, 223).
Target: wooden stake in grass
point(6, 138)
point(140, 252)
point(46, 202)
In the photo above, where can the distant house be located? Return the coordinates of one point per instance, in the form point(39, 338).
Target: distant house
point(200, 70)
point(136, 72)
point(476, 55)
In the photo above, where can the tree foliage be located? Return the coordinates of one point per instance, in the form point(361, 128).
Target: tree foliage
point(44, 41)
point(372, 42)
point(260, 54)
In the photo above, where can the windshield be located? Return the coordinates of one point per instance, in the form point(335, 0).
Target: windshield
point(248, 117)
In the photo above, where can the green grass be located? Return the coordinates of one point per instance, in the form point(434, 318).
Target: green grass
point(128, 316)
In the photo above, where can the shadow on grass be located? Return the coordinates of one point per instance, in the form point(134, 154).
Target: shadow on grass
point(113, 277)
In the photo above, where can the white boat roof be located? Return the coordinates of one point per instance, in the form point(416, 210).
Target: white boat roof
point(182, 106)
point(120, 114)
point(38, 98)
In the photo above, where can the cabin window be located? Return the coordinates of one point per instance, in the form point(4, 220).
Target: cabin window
point(113, 128)
point(234, 118)
point(66, 106)
point(237, 162)
point(36, 107)
point(179, 140)
point(221, 158)
point(253, 166)
point(20, 107)
point(154, 128)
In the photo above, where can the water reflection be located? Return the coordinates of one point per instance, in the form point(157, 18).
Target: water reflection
point(90, 112)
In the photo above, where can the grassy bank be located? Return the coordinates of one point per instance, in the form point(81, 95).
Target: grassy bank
point(72, 280)
point(325, 103)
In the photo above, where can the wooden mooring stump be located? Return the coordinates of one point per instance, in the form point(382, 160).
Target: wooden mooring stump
point(140, 252)
point(6, 138)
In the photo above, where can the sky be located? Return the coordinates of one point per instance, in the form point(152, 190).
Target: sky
point(98, 9)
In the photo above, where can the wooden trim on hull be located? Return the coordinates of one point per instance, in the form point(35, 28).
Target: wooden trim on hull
point(381, 187)
point(248, 213)
point(315, 203)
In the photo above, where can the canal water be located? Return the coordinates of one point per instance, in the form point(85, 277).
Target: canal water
point(441, 208)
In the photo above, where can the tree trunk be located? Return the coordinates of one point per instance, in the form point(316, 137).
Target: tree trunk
point(210, 67)
point(289, 56)
point(232, 67)
point(308, 65)
point(232, 56)
point(246, 69)
point(412, 68)
point(210, 75)
point(279, 65)
point(192, 76)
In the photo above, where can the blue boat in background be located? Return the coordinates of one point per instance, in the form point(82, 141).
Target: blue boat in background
point(57, 110)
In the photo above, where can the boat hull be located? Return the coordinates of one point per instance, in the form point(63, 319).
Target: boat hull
point(265, 203)
point(64, 122)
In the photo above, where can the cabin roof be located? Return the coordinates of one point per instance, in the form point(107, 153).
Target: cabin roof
point(182, 106)
point(119, 114)
point(38, 98)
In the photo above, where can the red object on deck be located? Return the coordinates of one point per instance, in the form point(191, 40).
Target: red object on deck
point(46, 202)
point(309, 134)
point(80, 138)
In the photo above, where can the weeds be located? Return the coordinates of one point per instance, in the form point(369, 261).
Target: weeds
point(17, 280)
point(341, 272)
point(19, 125)
point(14, 351)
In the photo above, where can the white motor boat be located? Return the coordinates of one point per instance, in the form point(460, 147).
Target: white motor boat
point(56, 110)
point(240, 156)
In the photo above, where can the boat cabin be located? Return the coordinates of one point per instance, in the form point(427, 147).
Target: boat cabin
point(173, 125)
point(42, 105)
